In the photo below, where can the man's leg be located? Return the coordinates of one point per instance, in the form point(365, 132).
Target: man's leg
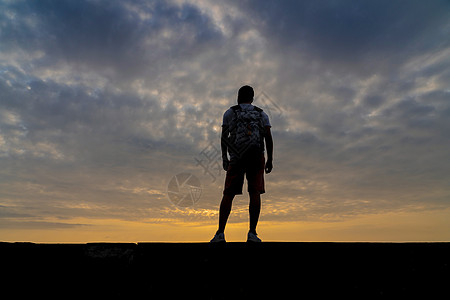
point(254, 210)
point(224, 211)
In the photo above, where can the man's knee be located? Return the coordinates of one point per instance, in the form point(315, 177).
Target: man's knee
point(255, 199)
point(254, 194)
point(228, 197)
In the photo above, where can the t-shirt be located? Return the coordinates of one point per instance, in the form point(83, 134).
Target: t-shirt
point(229, 114)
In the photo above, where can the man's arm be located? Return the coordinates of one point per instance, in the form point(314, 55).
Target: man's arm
point(224, 147)
point(269, 149)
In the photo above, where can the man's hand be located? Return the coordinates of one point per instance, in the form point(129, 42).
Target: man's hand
point(268, 166)
point(225, 164)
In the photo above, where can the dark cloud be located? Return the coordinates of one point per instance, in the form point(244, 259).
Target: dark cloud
point(348, 33)
point(129, 39)
point(38, 225)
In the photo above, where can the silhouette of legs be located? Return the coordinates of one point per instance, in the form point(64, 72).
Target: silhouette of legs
point(224, 211)
point(254, 210)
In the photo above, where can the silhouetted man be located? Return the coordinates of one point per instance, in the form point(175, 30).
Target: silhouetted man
point(245, 127)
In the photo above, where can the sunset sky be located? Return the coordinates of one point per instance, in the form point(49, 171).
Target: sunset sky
point(102, 103)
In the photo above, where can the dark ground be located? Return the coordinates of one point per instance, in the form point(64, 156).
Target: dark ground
point(230, 271)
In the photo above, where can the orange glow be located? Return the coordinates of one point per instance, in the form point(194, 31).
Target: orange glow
point(396, 227)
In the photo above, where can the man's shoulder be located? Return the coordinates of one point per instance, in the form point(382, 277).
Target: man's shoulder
point(263, 113)
point(248, 107)
point(228, 112)
point(227, 116)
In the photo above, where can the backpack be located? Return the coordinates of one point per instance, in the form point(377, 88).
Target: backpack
point(246, 132)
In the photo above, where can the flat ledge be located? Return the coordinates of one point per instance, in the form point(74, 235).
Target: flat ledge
point(241, 270)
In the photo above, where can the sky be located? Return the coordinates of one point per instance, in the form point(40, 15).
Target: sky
point(104, 105)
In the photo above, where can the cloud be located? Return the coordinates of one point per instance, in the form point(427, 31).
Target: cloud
point(348, 34)
point(103, 102)
point(39, 225)
point(119, 39)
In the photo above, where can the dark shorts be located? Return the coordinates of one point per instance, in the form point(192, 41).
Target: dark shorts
point(253, 168)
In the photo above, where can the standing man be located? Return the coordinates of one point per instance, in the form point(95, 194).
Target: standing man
point(245, 127)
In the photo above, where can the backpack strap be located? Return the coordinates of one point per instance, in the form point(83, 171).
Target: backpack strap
point(258, 109)
point(238, 107)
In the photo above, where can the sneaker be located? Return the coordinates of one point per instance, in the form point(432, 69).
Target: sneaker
point(253, 238)
point(218, 238)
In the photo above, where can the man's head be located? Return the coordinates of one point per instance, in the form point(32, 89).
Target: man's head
point(245, 94)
